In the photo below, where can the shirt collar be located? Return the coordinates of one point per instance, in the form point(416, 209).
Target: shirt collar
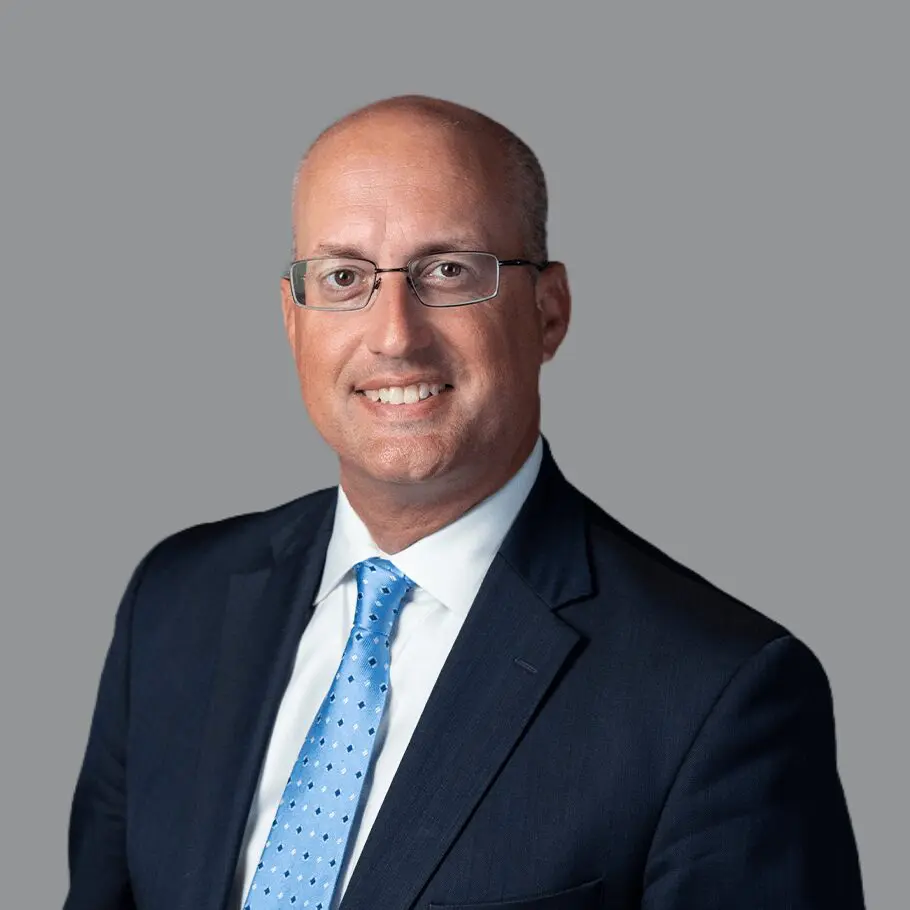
point(450, 563)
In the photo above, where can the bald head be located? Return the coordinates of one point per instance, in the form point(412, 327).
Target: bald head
point(510, 167)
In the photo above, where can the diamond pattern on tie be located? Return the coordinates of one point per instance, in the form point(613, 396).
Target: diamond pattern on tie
point(303, 854)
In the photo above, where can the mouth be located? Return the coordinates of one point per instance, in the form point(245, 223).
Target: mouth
point(405, 395)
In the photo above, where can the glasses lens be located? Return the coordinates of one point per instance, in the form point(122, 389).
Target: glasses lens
point(332, 283)
point(455, 278)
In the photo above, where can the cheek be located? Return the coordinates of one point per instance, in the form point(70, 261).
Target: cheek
point(508, 350)
point(321, 354)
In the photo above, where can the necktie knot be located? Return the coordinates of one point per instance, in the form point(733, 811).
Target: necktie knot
point(381, 590)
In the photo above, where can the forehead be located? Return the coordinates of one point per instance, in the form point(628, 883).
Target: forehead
point(391, 184)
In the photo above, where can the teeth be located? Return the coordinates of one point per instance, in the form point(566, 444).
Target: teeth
point(404, 394)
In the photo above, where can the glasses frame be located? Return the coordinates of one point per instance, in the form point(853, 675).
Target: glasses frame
point(406, 268)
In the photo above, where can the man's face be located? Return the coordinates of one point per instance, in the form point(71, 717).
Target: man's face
point(387, 191)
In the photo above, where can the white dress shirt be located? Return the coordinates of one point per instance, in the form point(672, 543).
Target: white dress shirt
point(448, 567)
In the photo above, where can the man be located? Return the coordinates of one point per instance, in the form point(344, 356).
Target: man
point(453, 681)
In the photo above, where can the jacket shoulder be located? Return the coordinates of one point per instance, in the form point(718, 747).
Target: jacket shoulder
point(670, 605)
point(245, 541)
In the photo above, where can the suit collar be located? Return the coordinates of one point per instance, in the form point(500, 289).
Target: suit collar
point(450, 564)
point(547, 545)
point(309, 525)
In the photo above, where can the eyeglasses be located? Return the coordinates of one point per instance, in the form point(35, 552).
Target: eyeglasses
point(452, 278)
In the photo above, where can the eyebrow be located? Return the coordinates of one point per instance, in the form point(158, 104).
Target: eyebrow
point(444, 244)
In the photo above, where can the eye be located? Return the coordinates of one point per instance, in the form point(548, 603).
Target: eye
point(447, 270)
point(341, 278)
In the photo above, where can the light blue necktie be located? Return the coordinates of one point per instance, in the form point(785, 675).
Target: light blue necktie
point(304, 853)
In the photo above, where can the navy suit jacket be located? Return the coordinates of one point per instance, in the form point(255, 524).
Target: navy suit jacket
point(609, 730)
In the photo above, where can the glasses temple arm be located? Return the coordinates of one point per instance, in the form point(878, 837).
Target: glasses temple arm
point(540, 266)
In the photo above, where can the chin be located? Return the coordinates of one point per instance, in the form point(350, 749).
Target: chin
point(403, 461)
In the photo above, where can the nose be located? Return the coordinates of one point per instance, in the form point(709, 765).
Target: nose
point(397, 322)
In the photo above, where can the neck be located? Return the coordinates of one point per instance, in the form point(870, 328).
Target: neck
point(397, 514)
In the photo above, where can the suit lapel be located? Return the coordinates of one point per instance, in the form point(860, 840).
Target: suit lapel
point(509, 651)
point(265, 614)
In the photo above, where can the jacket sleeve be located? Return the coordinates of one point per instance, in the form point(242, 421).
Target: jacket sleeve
point(99, 877)
point(756, 816)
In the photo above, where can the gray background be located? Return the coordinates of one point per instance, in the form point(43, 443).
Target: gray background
point(729, 191)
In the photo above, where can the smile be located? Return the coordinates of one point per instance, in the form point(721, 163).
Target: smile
point(409, 394)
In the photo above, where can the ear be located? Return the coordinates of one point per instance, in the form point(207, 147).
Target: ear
point(554, 306)
point(289, 311)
